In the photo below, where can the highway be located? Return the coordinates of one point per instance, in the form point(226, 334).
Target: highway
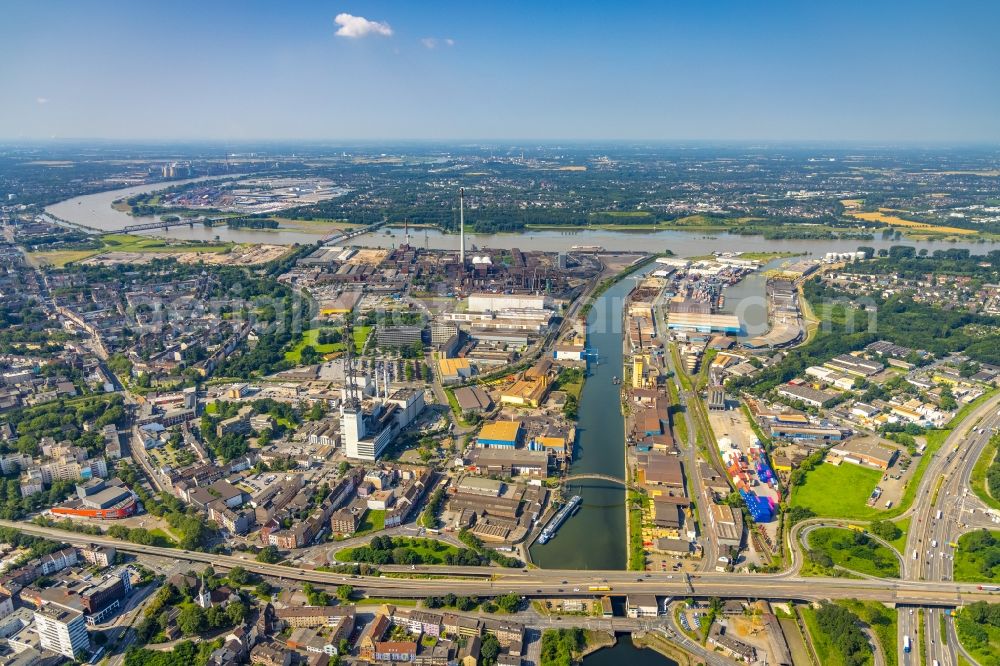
point(563, 583)
point(944, 491)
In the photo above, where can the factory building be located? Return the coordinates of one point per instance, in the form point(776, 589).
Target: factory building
point(499, 302)
point(703, 323)
point(500, 434)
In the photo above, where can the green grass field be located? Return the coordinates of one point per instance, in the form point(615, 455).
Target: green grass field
point(393, 601)
point(373, 521)
point(872, 559)
point(133, 243)
point(360, 335)
point(163, 538)
point(900, 542)
point(431, 551)
point(124, 243)
point(839, 491)
point(310, 337)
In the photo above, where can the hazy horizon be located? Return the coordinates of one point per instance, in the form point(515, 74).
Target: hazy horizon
point(590, 72)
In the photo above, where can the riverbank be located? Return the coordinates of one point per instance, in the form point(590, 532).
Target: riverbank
point(95, 212)
point(597, 640)
point(659, 644)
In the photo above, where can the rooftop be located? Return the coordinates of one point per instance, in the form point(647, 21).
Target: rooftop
point(501, 430)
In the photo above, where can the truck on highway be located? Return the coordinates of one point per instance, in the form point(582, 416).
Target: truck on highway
point(939, 514)
point(989, 588)
point(906, 644)
point(915, 555)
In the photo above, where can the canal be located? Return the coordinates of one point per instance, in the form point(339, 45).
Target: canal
point(625, 652)
point(595, 537)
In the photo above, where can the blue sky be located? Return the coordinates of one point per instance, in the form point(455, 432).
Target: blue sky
point(873, 71)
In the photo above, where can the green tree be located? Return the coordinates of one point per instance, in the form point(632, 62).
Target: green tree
point(192, 621)
point(269, 555)
point(885, 530)
point(236, 612)
point(238, 576)
point(489, 650)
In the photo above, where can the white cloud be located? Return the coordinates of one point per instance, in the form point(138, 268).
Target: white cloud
point(358, 26)
point(42, 100)
point(434, 42)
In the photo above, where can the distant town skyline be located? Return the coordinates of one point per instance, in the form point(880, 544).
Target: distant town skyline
point(447, 71)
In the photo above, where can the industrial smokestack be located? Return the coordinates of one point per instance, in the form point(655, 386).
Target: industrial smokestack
point(461, 225)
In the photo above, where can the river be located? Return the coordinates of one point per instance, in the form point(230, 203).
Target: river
point(595, 537)
point(95, 211)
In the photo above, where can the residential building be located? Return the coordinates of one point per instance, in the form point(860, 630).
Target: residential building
point(102, 556)
point(395, 651)
point(62, 630)
point(373, 633)
point(507, 632)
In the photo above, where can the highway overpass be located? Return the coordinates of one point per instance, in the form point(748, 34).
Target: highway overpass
point(568, 583)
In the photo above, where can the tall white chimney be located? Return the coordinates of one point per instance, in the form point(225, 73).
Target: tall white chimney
point(461, 224)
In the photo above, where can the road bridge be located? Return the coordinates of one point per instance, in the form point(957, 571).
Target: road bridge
point(542, 583)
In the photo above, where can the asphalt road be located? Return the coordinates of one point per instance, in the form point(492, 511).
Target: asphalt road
point(944, 491)
point(562, 583)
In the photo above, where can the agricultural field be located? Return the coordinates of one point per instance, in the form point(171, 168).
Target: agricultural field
point(888, 216)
